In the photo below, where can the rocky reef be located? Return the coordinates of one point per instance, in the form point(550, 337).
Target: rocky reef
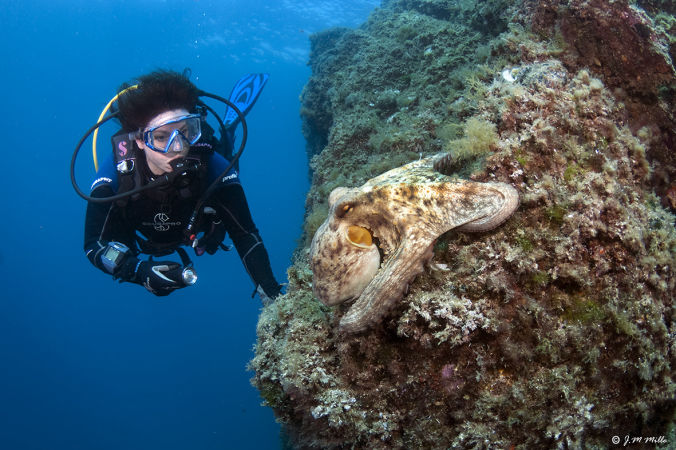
point(555, 330)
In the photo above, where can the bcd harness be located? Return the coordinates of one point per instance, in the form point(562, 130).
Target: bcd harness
point(186, 182)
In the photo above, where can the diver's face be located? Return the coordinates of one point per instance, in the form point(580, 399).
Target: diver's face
point(159, 163)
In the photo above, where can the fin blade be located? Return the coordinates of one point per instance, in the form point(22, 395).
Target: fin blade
point(244, 95)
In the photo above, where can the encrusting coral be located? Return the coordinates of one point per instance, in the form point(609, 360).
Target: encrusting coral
point(556, 329)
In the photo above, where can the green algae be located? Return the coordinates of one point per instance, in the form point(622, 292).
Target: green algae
point(540, 278)
point(584, 310)
point(479, 137)
point(555, 214)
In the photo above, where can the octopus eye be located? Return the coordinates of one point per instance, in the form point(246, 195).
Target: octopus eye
point(358, 236)
point(342, 211)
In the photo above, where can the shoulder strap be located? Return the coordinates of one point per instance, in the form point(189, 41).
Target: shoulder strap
point(124, 150)
point(125, 153)
point(216, 165)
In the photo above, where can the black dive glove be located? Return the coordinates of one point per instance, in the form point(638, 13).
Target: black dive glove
point(159, 277)
point(211, 241)
point(269, 293)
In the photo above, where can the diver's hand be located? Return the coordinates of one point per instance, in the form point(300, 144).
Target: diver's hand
point(270, 293)
point(211, 241)
point(160, 277)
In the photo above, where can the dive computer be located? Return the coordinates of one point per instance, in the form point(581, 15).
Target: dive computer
point(113, 256)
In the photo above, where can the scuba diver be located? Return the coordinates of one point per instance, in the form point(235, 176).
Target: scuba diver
point(170, 183)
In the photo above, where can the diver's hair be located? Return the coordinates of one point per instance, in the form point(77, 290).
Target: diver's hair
point(157, 92)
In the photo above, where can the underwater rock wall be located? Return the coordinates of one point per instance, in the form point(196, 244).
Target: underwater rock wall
point(555, 330)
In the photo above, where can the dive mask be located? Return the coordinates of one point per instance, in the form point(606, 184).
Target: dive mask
point(162, 138)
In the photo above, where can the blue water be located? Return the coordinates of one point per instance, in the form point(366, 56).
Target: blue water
point(87, 363)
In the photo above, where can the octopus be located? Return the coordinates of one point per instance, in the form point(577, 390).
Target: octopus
point(378, 237)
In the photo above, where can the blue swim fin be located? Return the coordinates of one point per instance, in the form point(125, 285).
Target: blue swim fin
point(244, 95)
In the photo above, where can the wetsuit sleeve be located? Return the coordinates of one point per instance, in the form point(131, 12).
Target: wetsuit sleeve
point(233, 209)
point(103, 223)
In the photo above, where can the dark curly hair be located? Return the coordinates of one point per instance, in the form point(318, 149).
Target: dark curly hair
point(157, 92)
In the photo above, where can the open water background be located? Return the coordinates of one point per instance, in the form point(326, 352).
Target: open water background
point(86, 363)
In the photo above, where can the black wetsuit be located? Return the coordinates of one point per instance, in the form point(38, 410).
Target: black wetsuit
point(161, 215)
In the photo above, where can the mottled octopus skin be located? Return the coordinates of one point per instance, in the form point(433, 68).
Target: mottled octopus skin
point(405, 210)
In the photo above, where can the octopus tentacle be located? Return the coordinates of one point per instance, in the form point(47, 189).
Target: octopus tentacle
point(387, 288)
